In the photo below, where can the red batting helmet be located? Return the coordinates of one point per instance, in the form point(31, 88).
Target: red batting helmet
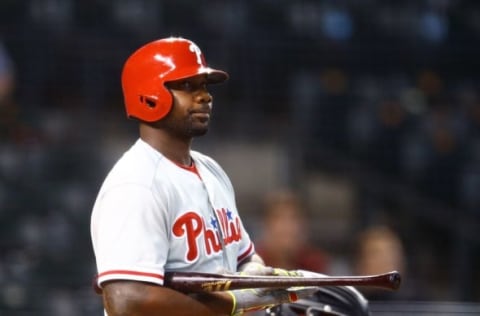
point(148, 69)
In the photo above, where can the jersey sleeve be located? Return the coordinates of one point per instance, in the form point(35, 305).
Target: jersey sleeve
point(130, 235)
point(247, 247)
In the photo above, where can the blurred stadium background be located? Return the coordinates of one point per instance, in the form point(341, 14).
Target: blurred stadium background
point(370, 108)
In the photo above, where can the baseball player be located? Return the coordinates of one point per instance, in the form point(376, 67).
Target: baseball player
point(165, 207)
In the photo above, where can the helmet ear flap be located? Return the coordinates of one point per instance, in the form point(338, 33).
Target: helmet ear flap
point(154, 107)
point(148, 101)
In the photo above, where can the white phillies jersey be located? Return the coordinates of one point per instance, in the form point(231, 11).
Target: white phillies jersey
point(151, 216)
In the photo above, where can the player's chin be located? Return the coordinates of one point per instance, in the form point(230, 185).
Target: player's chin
point(198, 130)
point(199, 126)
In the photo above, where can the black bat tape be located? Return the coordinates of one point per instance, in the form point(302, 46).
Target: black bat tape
point(207, 282)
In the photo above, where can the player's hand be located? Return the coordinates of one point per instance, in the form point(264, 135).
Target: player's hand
point(258, 268)
point(249, 300)
point(255, 268)
point(308, 274)
point(283, 272)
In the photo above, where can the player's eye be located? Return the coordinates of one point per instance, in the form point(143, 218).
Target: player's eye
point(183, 85)
point(187, 85)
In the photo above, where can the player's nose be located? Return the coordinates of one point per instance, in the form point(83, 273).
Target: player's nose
point(204, 97)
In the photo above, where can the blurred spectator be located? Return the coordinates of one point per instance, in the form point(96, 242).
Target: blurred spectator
point(8, 110)
point(337, 24)
point(13, 129)
point(6, 74)
point(284, 240)
point(328, 117)
point(433, 26)
point(379, 249)
point(55, 15)
point(444, 129)
point(304, 18)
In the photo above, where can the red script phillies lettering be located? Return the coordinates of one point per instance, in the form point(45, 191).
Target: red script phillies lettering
point(192, 227)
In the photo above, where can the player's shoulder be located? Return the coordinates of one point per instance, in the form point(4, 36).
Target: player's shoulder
point(198, 156)
point(136, 165)
point(140, 155)
point(205, 160)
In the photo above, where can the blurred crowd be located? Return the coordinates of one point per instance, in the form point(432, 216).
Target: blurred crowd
point(390, 86)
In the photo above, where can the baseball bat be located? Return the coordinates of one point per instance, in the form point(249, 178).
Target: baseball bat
point(191, 282)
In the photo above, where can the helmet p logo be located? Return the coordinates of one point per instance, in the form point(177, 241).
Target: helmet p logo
point(195, 49)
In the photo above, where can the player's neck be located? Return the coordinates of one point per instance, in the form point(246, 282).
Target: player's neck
point(175, 149)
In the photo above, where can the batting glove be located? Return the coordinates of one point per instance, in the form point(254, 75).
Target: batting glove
point(249, 300)
point(308, 274)
point(256, 268)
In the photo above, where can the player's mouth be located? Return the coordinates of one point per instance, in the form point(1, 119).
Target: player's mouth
point(201, 115)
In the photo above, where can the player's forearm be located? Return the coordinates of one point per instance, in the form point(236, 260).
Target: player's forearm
point(219, 302)
point(123, 298)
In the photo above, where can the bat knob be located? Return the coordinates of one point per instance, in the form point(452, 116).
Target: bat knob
point(395, 279)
